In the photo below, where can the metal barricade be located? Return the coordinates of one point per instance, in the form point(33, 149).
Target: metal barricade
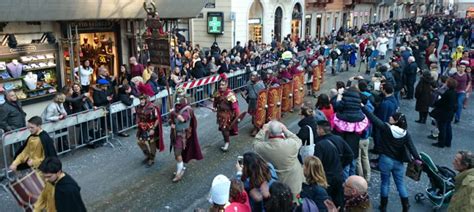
point(73, 132)
point(123, 118)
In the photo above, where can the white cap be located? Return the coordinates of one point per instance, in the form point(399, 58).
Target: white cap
point(220, 190)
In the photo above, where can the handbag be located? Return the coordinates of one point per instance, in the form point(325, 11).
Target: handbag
point(308, 150)
point(414, 170)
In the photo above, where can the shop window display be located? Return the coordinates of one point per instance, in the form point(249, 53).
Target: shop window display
point(99, 48)
point(29, 70)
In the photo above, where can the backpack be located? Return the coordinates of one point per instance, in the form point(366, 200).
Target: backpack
point(306, 205)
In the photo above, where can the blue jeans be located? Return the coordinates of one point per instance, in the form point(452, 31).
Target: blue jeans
point(460, 96)
point(350, 170)
point(389, 166)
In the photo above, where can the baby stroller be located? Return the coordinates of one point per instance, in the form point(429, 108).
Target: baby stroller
point(441, 183)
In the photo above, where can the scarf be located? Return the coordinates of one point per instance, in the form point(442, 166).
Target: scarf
point(357, 201)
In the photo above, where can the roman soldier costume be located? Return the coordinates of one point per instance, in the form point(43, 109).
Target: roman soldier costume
point(254, 86)
point(184, 137)
point(150, 131)
point(227, 107)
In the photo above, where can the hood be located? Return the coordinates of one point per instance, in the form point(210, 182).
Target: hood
point(397, 132)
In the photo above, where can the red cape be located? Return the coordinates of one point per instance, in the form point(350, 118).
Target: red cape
point(193, 149)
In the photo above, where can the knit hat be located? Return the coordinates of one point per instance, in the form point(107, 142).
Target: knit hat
point(220, 190)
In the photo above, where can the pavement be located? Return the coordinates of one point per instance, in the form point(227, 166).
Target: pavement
point(113, 179)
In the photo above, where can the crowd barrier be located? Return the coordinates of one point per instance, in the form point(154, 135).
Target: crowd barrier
point(102, 124)
point(75, 131)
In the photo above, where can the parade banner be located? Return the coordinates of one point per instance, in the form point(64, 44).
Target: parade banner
point(298, 88)
point(261, 111)
point(316, 85)
point(274, 103)
point(287, 97)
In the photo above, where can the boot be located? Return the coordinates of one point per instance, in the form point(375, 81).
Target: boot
point(405, 204)
point(383, 204)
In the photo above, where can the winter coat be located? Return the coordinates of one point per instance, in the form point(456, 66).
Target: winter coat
point(12, 116)
point(349, 107)
point(283, 154)
point(334, 154)
point(398, 77)
point(303, 134)
point(387, 108)
point(463, 197)
point(53, 111)
point(445, 107)
point(423, 94)
point(394, 141)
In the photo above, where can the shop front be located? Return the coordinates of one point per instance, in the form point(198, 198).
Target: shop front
point(255, 22)
point(297, 21)
point(93, 41)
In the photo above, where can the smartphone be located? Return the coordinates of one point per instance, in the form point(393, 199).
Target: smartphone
point(240, 160)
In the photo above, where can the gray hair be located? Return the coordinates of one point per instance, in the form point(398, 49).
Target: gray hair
point(411, 59)
point(275, 128)
point(467, 159)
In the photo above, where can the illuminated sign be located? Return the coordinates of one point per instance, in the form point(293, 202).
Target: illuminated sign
point(254, 21)
point(215, 23)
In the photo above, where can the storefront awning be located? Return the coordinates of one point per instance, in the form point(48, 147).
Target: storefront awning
point(64, 10)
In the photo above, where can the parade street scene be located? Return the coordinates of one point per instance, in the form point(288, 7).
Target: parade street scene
point(237, 105)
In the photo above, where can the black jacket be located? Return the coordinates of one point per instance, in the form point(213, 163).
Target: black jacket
point(67, 196)
point(398, 77)
point(348, 109)
point(12, 116)
point(423, 94)
point(198, 71)
point(445, 107)
point(303, 134)
point(410, 70)
point(124, 97)
point(392, 145)
point(100, 98)
point(316, 193)
point(334, 154)
point(74, 103)
point(225, 68)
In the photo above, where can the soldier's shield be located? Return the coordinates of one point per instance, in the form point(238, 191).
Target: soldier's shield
point(316, 80)
point(274, 103)
point(260, 117)
point(298, 88)
point(287, 96)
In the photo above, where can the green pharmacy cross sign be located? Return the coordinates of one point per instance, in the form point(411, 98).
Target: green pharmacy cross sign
point(215, 23)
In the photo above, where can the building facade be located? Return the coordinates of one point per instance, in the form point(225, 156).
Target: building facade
point(244, 20)
point(47, 41)
point(325, 16)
